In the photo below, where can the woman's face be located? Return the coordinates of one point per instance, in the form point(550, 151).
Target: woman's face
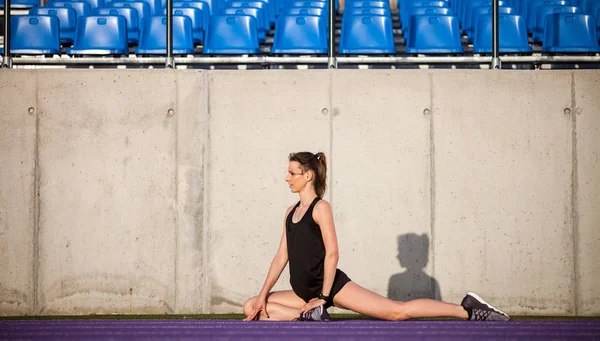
point(296, 177)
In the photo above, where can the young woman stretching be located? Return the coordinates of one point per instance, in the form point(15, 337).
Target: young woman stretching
point(310, 245)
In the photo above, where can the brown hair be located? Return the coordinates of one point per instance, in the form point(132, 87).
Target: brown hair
point(316, 163)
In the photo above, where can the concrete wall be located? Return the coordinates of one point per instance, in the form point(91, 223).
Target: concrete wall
point(125, 191)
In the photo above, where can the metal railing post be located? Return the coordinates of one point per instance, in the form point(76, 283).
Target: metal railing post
point(331, 60)
point(496, 63)
point(170, 62)
point(6, 58)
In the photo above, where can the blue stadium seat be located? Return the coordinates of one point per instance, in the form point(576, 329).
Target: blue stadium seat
point(592, 8)
point(300, 35)
point(468, 26)
point(67, 21)
point(512, 34)
point(81, 8)
point(532, 5)
point(367, 11)
point(304, 11)
point(364, 34)
point(195, 16)
point(232, 35)
point(153, 37)
point(18, 4)
point(130, 14)
point(598, 22)
point(142, 8)
point(100, 35)
point(95, 3)
point(540, 15)
point(467, 10)
point(213, 5)
point(34, 34)
point(308, 4)
point(570, 33)
point(262, 22)
point(254, 4)
point(368, 3)
point(426, 10)
point(434, 34)
point(320, 12)
point(200, 5)
point(412, 6)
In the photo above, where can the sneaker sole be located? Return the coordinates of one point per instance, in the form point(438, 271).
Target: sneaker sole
point(481, 300)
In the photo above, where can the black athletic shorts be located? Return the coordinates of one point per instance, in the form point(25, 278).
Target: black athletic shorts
point(339, 281)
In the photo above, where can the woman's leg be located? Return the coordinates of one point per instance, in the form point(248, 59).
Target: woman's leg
point(281, 306)
point(358, 299)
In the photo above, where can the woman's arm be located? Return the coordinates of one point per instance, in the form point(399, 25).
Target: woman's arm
point(324, 217)
point(277, 265)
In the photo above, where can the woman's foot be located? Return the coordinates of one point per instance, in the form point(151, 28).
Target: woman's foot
point(479, 310)
point(316, 314)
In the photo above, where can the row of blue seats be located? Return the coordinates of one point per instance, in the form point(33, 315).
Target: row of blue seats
point(469, 10)
point(236, 35)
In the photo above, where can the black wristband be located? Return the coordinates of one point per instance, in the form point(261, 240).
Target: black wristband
point(323, 297)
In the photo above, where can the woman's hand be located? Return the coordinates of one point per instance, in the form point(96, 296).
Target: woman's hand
point(260, 304)
point(315, 302)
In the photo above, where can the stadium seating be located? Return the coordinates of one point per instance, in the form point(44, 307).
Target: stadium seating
point(434, 34)
point(540, 14)
point(412, 7)
point(67, 21)
point(195, 16)
point(365, 34)
point(100, 35)
point(262, 22)
point(255, 4)
point(232, 34)
point(427, 10)
point(200, 5)
point(142, 8)
point(300, 35)
point(468, 26)
point(154, 5)
point(213, 5)
point(153, 40)
point(17, 4)
point(34, 34)
point(130, 15)
point(81, 8)
point(532, 5)
point(570, 33)
point(95, 3)
point(512, 34)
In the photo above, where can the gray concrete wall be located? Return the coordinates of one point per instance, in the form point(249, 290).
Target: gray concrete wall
point(163, 191)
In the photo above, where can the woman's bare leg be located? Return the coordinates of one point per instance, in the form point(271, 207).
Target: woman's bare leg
point(358, 299)
point(281, 306)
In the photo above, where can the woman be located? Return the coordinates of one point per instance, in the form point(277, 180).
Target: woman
point(310, 245)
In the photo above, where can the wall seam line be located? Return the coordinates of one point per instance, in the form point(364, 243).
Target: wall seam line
point(36, 203)
point(574, 204)
point(177, 221)
point(206, 212)
point(432, 182)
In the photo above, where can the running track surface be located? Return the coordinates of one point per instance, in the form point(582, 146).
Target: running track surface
point(346, 330)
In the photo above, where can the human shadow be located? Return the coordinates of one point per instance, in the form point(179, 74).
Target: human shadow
point(413, 283)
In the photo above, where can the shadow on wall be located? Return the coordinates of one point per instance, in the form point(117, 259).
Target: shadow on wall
point(413, 283)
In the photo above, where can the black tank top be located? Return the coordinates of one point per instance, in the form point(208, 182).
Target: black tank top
point(306, 253)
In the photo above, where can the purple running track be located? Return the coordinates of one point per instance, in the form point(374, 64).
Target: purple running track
point(346, 330)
